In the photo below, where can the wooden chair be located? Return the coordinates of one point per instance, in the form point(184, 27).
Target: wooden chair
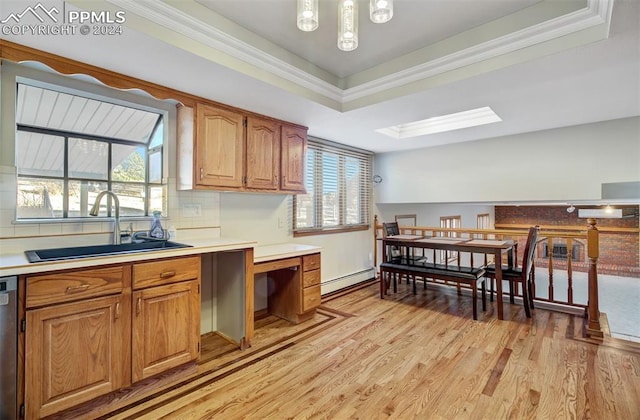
point(406, 219)
point(522, 275)
point(390, 229)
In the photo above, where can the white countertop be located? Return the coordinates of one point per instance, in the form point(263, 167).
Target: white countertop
point(278, 251)
point(15, 262)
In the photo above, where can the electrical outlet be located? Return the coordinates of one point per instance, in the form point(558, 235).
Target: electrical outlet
point(280, 223)
point(191, 210)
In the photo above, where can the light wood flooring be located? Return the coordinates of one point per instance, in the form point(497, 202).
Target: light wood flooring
point(404, 357)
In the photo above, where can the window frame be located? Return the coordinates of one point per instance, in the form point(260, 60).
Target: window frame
point(483, 219)
point(316, 148)
point(450, 222)
point(81, 83)
point(66, 178)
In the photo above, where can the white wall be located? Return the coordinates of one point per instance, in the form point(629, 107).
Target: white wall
point(565, 164)
point(346, 257)
point(429, 214)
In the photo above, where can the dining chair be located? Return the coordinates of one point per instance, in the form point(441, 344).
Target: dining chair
point(390, 229)
point(519, 275)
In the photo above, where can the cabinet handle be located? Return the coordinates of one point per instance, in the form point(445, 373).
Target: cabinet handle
point(117, 310)
point(138, 306)
point(201, 173)
point(77, 289)
point(167, 274)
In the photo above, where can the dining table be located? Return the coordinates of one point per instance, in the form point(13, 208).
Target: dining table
point(495, 247)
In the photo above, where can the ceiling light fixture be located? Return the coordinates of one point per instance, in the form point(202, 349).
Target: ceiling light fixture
point(380, 11)
point(348, 25)
point(449, 122)
point(307, 15)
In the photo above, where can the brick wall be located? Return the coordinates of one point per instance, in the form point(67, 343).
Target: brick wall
point(619, 251)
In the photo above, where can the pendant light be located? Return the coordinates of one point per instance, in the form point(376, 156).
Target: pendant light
point(380, 11)
point(307, 15)
point(348, 25)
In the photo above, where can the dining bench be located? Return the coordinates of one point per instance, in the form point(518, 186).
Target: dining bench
point(470, 276)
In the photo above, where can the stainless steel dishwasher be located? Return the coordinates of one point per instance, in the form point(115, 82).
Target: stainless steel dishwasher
point(8, 347)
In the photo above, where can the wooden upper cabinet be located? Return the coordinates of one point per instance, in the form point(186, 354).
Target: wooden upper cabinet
point(226, 149)
point(219, 147)
point(294, 146)
point(263, 154)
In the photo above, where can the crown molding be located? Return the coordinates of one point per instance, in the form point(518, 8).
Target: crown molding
point(180, 22)
point(597, 12)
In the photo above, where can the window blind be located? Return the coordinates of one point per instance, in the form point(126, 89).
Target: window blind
point(338, 186)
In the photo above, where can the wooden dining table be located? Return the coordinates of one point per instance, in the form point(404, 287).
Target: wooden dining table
point(495, 247)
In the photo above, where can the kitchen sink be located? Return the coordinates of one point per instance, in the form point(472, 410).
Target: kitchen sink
point(57, 254)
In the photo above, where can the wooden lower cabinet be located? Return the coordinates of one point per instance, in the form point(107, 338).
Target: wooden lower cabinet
point(294, 294)
point(88, 334)
point(311, 278)
point(166, 327)
point(76, 352)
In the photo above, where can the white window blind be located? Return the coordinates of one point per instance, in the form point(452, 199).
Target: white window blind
point(338, 187)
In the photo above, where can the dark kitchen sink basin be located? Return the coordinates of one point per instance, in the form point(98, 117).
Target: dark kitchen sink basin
point(57, 254)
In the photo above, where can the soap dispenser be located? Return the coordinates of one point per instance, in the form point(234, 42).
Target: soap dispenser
point(156, 230)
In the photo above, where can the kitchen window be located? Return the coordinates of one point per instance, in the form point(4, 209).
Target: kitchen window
point(70, 147)
point(338, 187)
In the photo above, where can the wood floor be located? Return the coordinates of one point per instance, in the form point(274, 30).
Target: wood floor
point(405, 357)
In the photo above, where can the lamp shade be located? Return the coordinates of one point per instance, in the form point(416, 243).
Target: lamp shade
point(307, 15)
point(348, 25)
point(380, 11)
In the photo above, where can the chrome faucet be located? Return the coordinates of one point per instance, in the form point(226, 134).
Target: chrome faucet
point(116, 224)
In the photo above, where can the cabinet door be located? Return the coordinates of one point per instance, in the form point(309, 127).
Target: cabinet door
point(76, 352)
point(219, 147)
point(166, 327)
point(263, 154)
point(294, 145)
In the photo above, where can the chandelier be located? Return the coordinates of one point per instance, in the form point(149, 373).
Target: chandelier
point(380, 11)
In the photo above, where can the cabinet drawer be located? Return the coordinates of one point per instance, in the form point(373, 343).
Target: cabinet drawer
point(310, 278)
point(310, 262)
point(310, 298)
point(155, 273)
point(73, 285)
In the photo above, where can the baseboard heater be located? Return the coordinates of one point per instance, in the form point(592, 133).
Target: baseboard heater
point(347, 280)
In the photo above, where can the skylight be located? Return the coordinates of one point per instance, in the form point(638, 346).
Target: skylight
point(465, 119)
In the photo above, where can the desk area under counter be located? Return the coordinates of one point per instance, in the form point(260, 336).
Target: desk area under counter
point(291, 274)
